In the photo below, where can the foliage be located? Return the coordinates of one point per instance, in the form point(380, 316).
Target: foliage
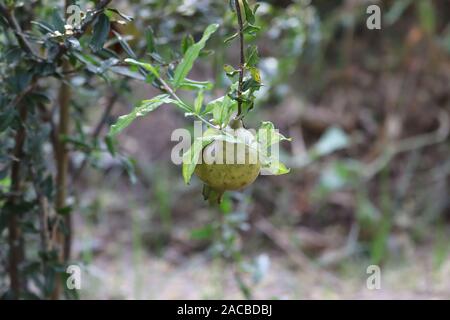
point(61, 81)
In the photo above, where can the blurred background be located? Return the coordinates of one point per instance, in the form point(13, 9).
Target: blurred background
point(368, 114)
point(370, 169)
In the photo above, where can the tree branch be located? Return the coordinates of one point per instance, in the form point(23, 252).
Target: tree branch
point(15, 239)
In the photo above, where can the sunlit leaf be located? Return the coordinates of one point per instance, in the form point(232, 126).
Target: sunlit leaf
point(121, 14)
point(255, 74)
point(222, 109)
point(198, 102)
point(191, 55)
point(144, 107)
point(252, 56)
point(230, 71)
point(146, 66)
point(249, 15)
point(251, 29)
point(189, 84)
point(186, 43)
point(231, 38)
point(275, 167)
point(267, 135)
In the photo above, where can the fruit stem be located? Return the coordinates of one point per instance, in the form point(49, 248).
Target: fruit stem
point(242, 57)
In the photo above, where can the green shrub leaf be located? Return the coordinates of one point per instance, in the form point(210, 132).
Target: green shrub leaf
point(101, 32)
point(191, 55)
point(144, 107)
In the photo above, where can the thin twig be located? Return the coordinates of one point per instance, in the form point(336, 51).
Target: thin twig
point(16, 252)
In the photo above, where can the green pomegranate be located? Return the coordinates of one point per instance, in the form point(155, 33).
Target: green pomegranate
point(229, 165)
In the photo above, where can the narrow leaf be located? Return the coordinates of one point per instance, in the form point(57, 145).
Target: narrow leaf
point(186, 43)
point(198, 102)
point(189, 84)
point(146, 66)
point(150, 39)
point(249, 16)
point(231, 38)
point(142, 109)
point(267, 135)
point(191, 55)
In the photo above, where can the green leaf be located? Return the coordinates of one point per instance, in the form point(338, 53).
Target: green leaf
point(43, 26)
point(146, 66)
point(276, 168)
point(205, 53)
point(230, 71)
point(255, 8)
point(187, 42)
point(110, 144)
point(249, 15)
point(101, 31)
point(182, 105)
point(198, 102)
point(57, 21)
point(150, 39)
point(250, 29)
point(129, 165)
point(202, 233)
point(250, 83)
point(231, 38)
point(142, 109)
point(124, 16)
point(267, 135)
point(190, 157)
point(124, 44)
point(252, 56)
point(125, 71)
point(191, 55)
point(221, 108)
point(189, 84)
point(256, 75)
